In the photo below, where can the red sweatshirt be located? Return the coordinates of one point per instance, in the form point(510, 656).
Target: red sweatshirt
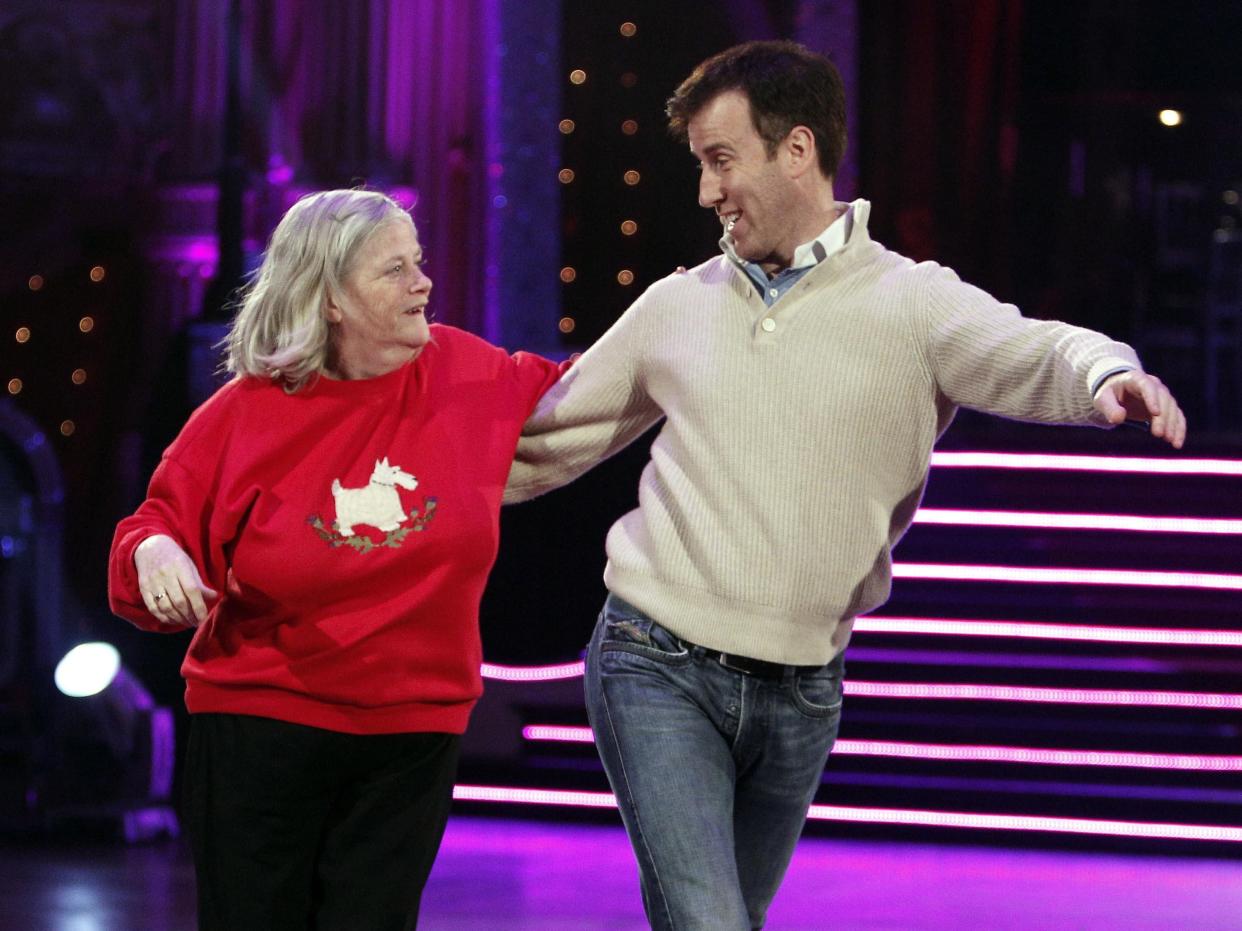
point(349, 528)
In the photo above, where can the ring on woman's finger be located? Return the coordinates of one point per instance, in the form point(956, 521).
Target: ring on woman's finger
point(160, 596)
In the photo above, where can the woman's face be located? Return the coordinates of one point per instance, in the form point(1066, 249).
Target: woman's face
point(378, 320)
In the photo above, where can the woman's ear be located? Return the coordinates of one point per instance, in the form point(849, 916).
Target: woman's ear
point(332, 310)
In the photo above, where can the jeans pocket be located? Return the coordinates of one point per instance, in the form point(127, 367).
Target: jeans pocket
point(628, 630)
point(818, 694)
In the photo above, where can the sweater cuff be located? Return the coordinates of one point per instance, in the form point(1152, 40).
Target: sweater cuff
point(1104, 370)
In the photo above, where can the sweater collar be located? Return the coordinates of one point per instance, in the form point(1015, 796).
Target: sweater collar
point(835, 237)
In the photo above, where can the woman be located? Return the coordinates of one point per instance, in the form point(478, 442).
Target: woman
point(327, 521)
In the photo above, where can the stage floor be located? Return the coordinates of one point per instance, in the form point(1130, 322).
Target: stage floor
point(500, 875)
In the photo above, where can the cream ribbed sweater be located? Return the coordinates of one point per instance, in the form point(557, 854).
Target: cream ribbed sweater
point(795, 451)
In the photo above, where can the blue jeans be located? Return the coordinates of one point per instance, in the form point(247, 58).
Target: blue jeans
point(713, 769)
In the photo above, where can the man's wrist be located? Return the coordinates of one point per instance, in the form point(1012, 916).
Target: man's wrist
point(1101, 379)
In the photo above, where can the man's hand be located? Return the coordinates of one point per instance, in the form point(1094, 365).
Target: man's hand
point(1137, 395)
point(171, 587)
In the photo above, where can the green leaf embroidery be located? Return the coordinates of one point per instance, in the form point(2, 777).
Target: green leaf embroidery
point(364, 544)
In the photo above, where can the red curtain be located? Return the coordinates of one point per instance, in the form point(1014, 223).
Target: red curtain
point(939, 138)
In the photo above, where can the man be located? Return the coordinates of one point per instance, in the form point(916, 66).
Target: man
point(804, 376)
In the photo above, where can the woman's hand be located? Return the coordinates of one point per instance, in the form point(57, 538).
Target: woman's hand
point(171, 587)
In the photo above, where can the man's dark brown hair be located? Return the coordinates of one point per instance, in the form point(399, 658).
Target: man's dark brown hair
point(787, 85)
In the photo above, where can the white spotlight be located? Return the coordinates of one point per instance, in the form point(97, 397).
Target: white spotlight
point(1171, 117)
point(87, 669)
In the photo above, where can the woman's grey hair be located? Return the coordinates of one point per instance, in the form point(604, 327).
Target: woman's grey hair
point(281, 331)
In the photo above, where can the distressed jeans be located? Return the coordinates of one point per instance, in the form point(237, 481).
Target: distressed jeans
point(713, 769)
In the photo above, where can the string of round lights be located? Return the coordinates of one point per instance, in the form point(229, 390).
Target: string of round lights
point(603, 133)
point(36, 374)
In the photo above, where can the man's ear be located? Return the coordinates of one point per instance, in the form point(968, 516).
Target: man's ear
point(800, 152)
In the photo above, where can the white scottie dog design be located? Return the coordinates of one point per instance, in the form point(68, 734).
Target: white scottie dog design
point(378, 504)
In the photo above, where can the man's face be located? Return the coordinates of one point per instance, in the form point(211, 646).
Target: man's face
point(759, 205)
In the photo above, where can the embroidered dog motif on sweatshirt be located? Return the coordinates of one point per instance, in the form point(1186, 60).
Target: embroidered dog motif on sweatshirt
point(376, 503)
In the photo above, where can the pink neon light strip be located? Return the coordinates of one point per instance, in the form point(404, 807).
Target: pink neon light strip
point(966, 753)
point(949, 819)
point(949, 627)
point(1044, 631)
point(1038, 756)
point(1172, 466)
point(1053, 576)
point(1052, 521)
point(559, 733)
point(532, 673)
point(989, 822)
point(1061, 696)
point(568, 797)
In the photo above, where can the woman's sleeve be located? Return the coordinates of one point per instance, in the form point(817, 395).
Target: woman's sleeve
point(533, 375)
point(179, 506)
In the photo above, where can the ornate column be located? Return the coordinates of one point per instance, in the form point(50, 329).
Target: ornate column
point(523, 83)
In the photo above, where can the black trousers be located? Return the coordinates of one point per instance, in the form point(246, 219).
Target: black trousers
point(296, 827)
